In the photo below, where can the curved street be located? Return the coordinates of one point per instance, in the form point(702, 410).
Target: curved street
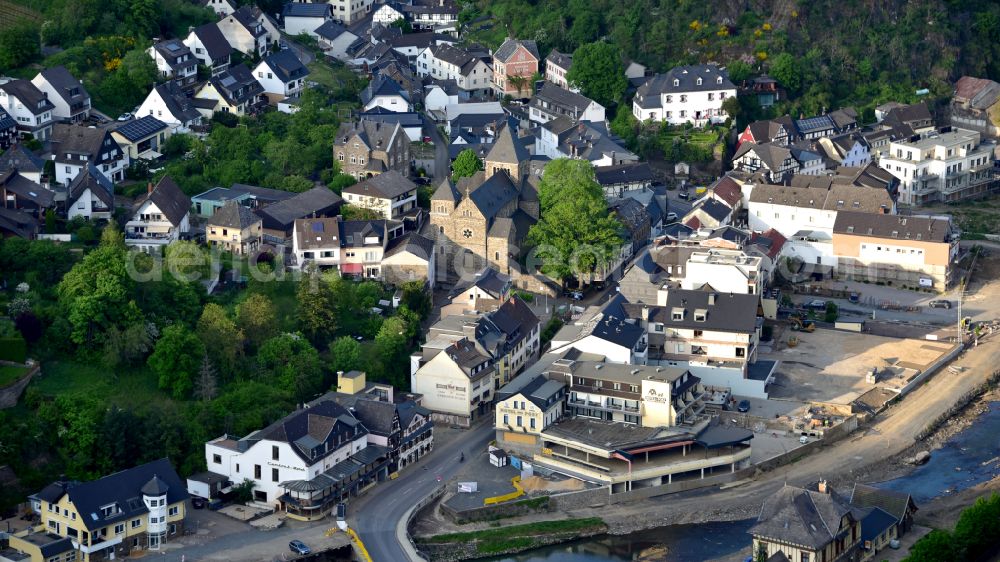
point(376, 515)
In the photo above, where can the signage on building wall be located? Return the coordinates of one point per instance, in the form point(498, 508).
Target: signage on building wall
point(450, 391)
point(279, 465)
point(926, 282)
point(655, 397)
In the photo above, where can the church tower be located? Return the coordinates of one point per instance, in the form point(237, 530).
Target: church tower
point(508, 154)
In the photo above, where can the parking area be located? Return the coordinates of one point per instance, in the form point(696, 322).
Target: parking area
point(830, 365)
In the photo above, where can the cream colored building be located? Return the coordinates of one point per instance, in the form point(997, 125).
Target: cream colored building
point(457, 383)
point(116, 516)
point(234, 228)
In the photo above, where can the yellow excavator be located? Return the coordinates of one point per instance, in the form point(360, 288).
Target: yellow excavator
point(802, 325)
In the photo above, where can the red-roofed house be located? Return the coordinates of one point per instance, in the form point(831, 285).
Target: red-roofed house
point(728, 191)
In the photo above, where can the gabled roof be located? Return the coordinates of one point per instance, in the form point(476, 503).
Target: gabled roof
point(124, 490)
point(29, 95)
point(686, 78)
point(507, 149)
point(771, 155)
point(78, 140)
point(214, 41)
point(491, 195)
point(18, 223)
point(510, 47)
point(562, 60)
point(245, 15)
point(237, 85)
point(281, 215)
point(875, 523)
point(382, 115)
point(446, 191)
point(21, 158)
point(560, 100)
point(383, 86)
point(233, 215)
point(728, 190)
point(169, 199)
point(298, 10)
point(728, 312)
point(455, 56)
point(99, 184)
point(374, 134)
point(14, 182)
point(307, 429)
point(63, 82)
point(800, 517)
point(489, 280)
point(766, 130)
point(632, 172)
point(141, 128)
point(330, 30)
point(177, 103)
point(412, 243)
point(979, 93)
point(536, 387)
point(285, 65)
point(376, 416)
point(172, 50)
point(892, 226)
point(6, 121)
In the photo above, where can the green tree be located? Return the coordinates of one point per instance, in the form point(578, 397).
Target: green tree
point(358, 213)
point(466, 165)
point(223, 340)
point(19, 45)
point(586, 27)
point(391, 343)
point(936, 546)
point(257, 319)
point(978, 527)
point(599, 73)
point(402, 24)
point(417, 298)
point(185, 260)
point(176, 359)
point(317, 311)
point(576, 233)
point(787, 70)
point(243, 492)
point(739, 71)
point(345, 354)
point(126, 346)
point(289, 361)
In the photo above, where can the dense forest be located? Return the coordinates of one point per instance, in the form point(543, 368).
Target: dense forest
point(826, 53)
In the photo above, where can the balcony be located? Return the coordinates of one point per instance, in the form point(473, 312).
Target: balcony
point(98, 546)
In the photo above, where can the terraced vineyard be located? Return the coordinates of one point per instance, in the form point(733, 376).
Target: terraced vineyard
point(11, 12)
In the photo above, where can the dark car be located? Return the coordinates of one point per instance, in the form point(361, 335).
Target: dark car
point(743, 406)
point(940, 304)
point(299, 547)
point(198, 503)
point(684, 195)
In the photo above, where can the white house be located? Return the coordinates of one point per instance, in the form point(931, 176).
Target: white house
point(90, 195)
point(335, 39)
point(160, 217)
point(436, 98)
point(74, 147)
point(210, 47)
point(551, 101)
point(299, 447)
point(556, 66)
point(221, 8)
point(727, 271)
point(390, 194)
point(809, 163)
point(446, 62)
point(67, 94)
point(244, 32)
point(604, 331)
point(564, 138)
point(685, 94)
point(849, 149)
point(169, 104)
point(305, 18)
point(793, 210)
point(386, 93)
point(776, 162)
point(947, 166)
point(29, 106)
point(281, 74)
point(457, 383)
point(317, 241)
point(387, 14)
point(174, 61)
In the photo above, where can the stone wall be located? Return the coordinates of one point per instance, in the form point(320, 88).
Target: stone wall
point(541, 504)
point(10, 394)
point(580, 499)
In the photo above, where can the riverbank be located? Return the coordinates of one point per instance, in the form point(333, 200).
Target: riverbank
point(454, 547)
point(742, 502)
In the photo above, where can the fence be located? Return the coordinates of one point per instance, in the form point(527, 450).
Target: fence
point(407, 520)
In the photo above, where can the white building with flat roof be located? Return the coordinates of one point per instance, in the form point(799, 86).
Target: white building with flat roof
point(950, 165)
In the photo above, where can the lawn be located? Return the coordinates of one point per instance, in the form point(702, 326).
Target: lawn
point(975, 218)
point(518, 536)
point(136, 386)
point(336, 78)
point(10, 373)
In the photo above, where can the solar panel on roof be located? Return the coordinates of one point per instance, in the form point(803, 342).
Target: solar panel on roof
point(317, 227)
point(173, 47)
point(228, 81)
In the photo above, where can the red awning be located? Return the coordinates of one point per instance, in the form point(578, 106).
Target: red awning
point(351, 268)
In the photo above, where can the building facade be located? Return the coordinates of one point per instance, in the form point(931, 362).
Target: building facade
point(368, 148)
point(685, 94)
point(948, 166)
point(515, 59)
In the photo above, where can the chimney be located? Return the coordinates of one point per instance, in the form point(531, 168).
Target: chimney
point(149, 188)
point(711, 299)
point(821, 487)
point(645, 314)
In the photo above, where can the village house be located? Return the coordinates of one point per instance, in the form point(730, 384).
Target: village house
point(281, 74)
point(618, 180)
point(388, 14)
point(278, 219)
point(565, 138)
point(23, 204)
point(775, 162)
point(25, 162)
point(234, 91)
point(412, 122)
point(685, 94)
point(975, 105)
point(304, 463)
point(552, 101)
point(74, 147)
point(335, 39)
point(221, 8)
point(441, 15)
point(391, 195)
point(90, 195)
point(910, 251)
point(410, 258)
point(160, 217)
point(244, 32)
point(457, 383)
point(556, 66)
point(808, 525)
point(207, 203)
point(168, 103)
point(482, 292)
point(349, 12)
point(779, 131)
point(114, 517)
point(791, 210)
point(70, 99)
point(29, 106)
point(949, 165)
point(209, 46)
point(471, 74)
point(234, 228)
point(174, 61)
point(305, 18)
point(364, 149)
point(8, 129)
point(889, 517)
point(362, 246)
point(514, 63)
point(142, 137)
point(387, 93)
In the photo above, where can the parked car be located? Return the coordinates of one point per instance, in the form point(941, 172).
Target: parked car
point(422, 181)
point(198, 503)
point(743, 406)
point(125, 117)
point(671, 216)
point(816, 304)
point(427, 139)
point(684, 195)
point(940, 304)
point(299, 547)
point(575, 295)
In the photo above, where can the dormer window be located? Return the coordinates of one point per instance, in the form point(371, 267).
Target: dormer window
point(699, 81)
point(676, 82)
point(700, 315)
point(677, 314)
point(718, 80)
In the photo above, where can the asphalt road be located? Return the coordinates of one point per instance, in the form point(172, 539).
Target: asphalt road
point(442, 164)
point(376, 515)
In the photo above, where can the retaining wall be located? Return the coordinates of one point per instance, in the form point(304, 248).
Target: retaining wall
point(10, 394)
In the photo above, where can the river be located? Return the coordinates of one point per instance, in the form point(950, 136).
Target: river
point(975, 451)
